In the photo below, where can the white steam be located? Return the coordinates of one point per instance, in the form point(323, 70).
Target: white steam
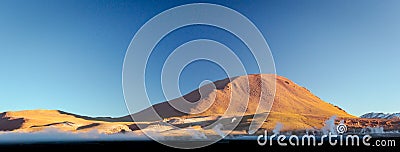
point(329, 126)
point(196, 134)
point(277, 128)
point(218, 129)
point(55, 135)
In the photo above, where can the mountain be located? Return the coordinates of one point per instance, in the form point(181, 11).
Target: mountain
point(381, 115)
point(36, 120)
point(294, 106)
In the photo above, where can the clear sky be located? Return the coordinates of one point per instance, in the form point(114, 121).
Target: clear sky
point(68, 55)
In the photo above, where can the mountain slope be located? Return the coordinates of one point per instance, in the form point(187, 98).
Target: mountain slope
point(292, 98)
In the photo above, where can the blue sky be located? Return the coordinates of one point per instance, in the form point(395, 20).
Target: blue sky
point(68, 55)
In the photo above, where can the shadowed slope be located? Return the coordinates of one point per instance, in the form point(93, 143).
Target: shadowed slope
point(9, 124)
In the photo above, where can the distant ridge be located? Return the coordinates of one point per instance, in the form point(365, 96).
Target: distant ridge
point(381, 115)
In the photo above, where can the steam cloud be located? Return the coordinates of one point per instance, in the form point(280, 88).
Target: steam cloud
point(277, 128)
point(329, 126)
point(54, 135)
